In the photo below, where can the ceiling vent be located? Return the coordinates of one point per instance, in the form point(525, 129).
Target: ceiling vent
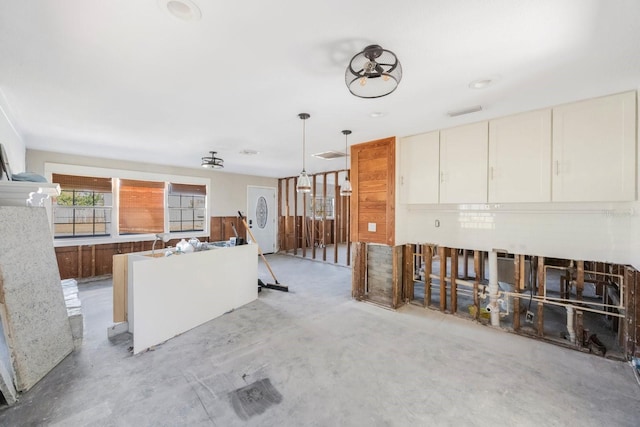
point(328, 155)
point(464, 111)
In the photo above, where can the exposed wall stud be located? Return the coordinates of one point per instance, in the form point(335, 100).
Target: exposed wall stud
point(427, 251)
point(442, 253)
point(541, 289)
point(478, 273)
point(454, 275)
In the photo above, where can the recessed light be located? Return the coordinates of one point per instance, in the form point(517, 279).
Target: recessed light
point(480, 83)
point(376, 114)
point(185, 10)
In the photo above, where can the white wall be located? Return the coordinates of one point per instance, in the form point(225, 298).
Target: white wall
point(11, 140)
point(228, 191)
point(592, 232)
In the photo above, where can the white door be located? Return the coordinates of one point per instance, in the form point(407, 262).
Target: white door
point(261, 217)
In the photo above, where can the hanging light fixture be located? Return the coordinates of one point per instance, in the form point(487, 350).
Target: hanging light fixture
point(304, 183)
point(212, 162)
point(373, 73)
point(345, 188)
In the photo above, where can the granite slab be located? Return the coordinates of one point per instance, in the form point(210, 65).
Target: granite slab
point(37, 327)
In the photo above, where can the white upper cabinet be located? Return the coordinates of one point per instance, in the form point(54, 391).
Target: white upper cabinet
point(594, 150)
point(520, 158)
point(463, 164)
point(419, 168)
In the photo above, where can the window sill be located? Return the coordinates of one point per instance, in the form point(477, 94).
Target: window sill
point(106, 240)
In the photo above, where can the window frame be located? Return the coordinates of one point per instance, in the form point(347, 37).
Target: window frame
point(74, 208)
point(116, 175)
point(180, 209)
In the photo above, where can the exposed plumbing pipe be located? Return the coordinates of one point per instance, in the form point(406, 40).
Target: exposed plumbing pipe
point(620, 283)
point(493, 306)
point(570, 328)
point(583, 304)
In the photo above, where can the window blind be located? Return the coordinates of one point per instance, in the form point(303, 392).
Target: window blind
point(141, 207)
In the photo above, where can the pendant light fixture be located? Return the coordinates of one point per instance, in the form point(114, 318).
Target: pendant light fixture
point(304, 183)
point(373, 73)
point(345, 188)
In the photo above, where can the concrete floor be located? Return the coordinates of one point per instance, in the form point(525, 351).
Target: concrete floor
point(330, 254)
point(331, 361)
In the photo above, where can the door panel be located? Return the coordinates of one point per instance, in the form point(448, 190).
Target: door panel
point(261, 216)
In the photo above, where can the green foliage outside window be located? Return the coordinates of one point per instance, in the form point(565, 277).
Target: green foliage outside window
point(80, 198)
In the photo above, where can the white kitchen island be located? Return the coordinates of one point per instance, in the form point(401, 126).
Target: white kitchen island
point(170, 295)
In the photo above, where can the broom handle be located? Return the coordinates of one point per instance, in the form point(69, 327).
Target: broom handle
point(246, 226)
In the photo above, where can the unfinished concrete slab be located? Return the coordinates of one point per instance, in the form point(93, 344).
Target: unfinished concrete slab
point(35, 317)
point(334, 361)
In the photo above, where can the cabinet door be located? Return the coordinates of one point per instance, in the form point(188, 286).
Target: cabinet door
point(419, 168)
point(463, 164)
point(520, 158)
point(594, 150)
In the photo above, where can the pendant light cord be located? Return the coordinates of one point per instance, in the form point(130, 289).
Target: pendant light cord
point(304, 117)
point(346, 134)
point(346, 155)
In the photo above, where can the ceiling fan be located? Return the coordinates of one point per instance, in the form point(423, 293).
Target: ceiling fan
point(212, 162)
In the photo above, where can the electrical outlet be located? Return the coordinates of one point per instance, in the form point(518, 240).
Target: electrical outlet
point(529, 317)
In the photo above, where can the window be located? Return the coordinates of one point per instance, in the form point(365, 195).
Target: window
point(141, 207)
point(319, 207)
point(83, 207)
point(120, 208)
point(186, 205)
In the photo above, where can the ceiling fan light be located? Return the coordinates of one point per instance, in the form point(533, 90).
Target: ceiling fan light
point(212, 162)
point(373, 73)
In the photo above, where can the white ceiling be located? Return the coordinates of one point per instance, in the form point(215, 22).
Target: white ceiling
point(127, 80)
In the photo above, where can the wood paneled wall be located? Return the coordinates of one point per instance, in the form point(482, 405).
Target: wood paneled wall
point(221, 228)
point(373, 198)
point(78, 262)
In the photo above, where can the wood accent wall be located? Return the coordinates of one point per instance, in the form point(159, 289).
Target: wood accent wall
point(221, 228)
point(373, 198)
point(78, 262)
